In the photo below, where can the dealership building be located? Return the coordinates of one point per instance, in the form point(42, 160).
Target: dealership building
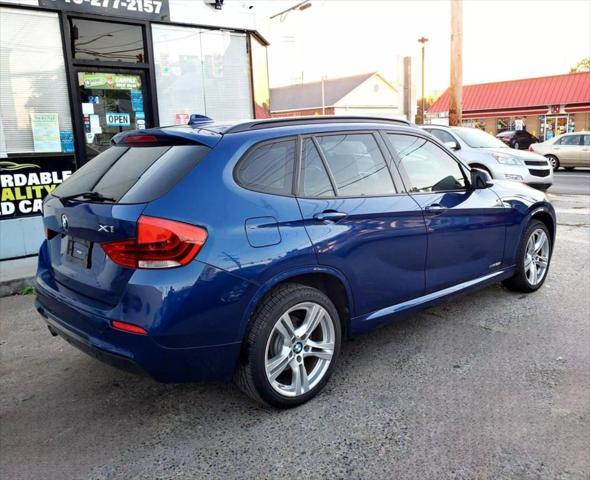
point(545, 106)
point(74, 73)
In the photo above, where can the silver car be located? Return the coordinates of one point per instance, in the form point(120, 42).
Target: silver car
point(569, 150)
point(481, 150)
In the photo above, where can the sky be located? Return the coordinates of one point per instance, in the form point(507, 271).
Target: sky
point(502, 39)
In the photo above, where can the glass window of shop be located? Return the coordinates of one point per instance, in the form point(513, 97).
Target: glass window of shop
point(201, 71)
point(34, 105)
point(106, 41)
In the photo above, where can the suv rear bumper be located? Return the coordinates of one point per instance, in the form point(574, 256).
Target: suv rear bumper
point(141, 354)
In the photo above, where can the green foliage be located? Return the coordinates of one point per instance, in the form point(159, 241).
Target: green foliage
point(30, 290)
point(582, 66)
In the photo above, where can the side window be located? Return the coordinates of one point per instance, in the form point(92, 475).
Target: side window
point(429, 168)
point(586, 140)
point(443, 136)
point(314, 178)
point(268, 168)
point(569, 140)
point(357, 165)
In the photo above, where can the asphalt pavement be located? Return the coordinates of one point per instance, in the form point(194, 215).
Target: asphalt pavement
point(576, 182)
point(492, 385)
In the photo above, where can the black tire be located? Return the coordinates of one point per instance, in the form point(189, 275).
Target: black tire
point(251, 376)
point(519, 282)
point(516, 146)
point(554, 161)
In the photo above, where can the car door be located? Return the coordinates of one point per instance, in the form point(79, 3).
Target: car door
point(466, 227)
point(358, 222)
point(567, 149)
point(585, 153)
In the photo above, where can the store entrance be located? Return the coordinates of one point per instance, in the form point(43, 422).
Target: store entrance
point(554, 126)
point(111, 102)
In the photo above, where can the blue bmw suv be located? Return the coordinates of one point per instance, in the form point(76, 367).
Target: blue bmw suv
point(251, 250)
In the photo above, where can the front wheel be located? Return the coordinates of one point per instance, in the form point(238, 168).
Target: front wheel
point(534, 256)
point(291, 347)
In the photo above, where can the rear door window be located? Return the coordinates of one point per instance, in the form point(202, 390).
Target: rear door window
point(314, 177)
point(357, 165)
point(133, 175)
point(268, 168)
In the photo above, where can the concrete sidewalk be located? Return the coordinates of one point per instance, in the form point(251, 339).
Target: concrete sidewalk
point(15, 275)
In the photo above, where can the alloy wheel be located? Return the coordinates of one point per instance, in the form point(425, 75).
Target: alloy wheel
point(536, 259)
point(299, 349)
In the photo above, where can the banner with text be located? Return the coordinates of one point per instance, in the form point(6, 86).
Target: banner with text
point(25, 183)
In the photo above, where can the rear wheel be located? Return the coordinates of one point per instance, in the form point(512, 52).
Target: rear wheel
point(553, 161)
point(291, 347)
point(516, 146)
point(534, 256)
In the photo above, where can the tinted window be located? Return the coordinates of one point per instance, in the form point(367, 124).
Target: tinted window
point(314, 177)
point(269, 168)
point(569, 140)
point(586, 139)
point(429, 168)
point(357, 165)
point(476, 138)
point(133, 175)
point(443, 136)
point(113, 42)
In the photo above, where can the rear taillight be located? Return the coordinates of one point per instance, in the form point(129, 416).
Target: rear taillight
point(531, 148)
point(160, 243)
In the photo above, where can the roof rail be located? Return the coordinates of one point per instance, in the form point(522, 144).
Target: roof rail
point(286, 121)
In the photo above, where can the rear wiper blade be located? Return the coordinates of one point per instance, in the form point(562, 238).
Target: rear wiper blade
point(89, 196)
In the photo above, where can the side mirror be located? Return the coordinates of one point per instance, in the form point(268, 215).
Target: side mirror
point(452, 145)
point(480, 179)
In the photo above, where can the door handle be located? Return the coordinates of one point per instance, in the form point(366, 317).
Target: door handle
point(330, 215)
point(435, 209)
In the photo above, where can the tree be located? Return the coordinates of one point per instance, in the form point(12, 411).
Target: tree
point(582, 66)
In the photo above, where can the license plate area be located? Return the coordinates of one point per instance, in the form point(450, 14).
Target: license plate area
point(78, 251)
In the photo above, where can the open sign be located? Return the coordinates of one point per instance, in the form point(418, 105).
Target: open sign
point(118, 120)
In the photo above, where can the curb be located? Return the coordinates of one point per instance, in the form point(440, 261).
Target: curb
point(16, 286)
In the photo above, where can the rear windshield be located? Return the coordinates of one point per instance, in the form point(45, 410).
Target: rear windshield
point(133, 175)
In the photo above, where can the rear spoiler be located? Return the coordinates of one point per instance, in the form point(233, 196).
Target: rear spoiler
point(167, 136)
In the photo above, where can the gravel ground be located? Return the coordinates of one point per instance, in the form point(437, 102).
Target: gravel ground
point(492, 385)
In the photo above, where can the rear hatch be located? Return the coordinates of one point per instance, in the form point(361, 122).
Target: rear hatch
point(102, 202)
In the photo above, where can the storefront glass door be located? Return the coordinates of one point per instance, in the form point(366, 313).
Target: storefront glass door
point(112, 102)
point(553, 126)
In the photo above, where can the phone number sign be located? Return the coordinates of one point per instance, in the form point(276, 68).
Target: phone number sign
point(144, 9)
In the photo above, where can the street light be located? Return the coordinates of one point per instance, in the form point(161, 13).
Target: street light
point(423, 41)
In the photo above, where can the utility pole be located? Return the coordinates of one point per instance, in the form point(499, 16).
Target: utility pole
point(423, 41)
point(456, 89)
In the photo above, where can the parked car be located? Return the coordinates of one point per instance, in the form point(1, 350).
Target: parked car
point(481, 150)
point(569, 150)
point(250, 250)
point(518, 139)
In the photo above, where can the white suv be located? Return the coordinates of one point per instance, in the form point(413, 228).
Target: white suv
point(569, 150)
point(481, 150)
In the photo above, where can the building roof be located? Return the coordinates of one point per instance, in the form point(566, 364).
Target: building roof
point(529, 92)
point(309, 95)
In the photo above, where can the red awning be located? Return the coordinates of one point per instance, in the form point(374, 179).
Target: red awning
point(566, 89)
